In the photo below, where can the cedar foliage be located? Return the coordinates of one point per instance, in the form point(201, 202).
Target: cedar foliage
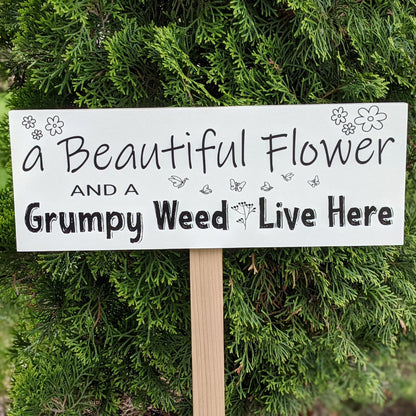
point(97, 327)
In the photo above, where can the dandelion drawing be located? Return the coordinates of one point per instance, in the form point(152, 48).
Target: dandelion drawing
point(245, 210)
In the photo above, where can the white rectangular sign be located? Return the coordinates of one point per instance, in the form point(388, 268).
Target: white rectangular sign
point(260, 176)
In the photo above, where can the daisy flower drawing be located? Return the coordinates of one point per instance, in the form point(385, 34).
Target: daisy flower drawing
point(348, 129)
point(370, 118)
point(37, 134)
point(29, 122)
point(54, 125)
point(339, 115)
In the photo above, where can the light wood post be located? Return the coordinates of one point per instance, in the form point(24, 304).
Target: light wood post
point(207, 324)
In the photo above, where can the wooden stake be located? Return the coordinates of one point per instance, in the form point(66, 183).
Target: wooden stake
point(207, 324)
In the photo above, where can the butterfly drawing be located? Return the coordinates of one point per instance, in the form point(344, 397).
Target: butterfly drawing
point(177, 182)
point(205, 190)
point(288, 176)
point(266, 187)
point(237, 186)
point(314, 182)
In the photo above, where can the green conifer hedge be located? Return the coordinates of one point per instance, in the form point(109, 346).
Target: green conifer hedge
point(100, 330)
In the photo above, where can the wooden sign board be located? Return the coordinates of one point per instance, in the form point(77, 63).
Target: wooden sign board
point(261, 176)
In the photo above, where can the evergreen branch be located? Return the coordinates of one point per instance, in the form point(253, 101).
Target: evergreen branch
point(99, 308)
point(332, 92)
point(188, 91)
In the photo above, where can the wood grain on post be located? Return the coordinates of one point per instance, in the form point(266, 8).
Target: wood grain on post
point(207, 323)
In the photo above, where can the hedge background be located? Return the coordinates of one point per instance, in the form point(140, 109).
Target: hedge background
point(99, 331)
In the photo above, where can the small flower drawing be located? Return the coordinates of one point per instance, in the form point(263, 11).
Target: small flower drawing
point(37, 134)
point(29, 122)
point(370, 119)
point(348, 128)
point(54, 125)
point(339, 115)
